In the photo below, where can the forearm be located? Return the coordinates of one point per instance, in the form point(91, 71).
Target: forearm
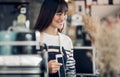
point(70, 67)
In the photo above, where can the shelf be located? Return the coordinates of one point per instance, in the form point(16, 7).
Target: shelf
point(20, 61)
point(83, 47)
point(19, 43)
point(22, 65)
point(25, 70)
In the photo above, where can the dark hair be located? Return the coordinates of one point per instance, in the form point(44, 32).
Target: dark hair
point(47, 12)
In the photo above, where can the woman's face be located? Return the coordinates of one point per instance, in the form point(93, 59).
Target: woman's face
point(59, 20)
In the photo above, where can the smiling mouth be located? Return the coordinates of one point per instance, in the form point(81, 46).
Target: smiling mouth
point(60, 22)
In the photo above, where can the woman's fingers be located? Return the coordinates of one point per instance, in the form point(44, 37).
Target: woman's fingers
point(53, 66)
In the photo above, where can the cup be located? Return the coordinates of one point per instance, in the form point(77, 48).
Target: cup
point(6, 36)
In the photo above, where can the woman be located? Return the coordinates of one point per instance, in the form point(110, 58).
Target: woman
point(50, 23)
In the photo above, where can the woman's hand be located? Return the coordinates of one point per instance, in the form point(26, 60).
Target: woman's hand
point(53, 66)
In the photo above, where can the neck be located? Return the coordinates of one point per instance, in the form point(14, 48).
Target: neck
point(51, 31)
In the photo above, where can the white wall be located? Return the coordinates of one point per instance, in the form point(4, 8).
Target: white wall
point(104, 10)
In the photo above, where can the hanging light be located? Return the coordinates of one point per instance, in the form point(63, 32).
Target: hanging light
point(66, 0)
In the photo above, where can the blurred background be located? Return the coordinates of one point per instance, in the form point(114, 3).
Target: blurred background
point(22, 15)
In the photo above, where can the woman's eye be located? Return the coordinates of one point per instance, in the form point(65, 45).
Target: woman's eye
point(59, 13)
